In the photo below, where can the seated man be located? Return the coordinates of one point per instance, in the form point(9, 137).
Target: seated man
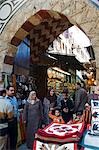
point(57, 118)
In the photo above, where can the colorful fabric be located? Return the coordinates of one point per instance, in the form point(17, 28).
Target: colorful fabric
point(50, 146)
point(6, 81)
point(61, 133)
point(90, 141)
point(87, 115)
point(21, 130)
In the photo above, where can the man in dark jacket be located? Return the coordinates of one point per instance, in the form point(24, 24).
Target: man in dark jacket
point(67, 107)
point(81, 99)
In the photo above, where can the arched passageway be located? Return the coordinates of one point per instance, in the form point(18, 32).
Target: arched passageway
point(41, 29)
point(82, 13)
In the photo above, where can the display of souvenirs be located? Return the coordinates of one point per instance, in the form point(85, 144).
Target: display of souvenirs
point(56, 74)
point(90, 138)
point(23, 86)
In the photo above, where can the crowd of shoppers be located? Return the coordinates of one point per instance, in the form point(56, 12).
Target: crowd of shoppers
point(37, 114)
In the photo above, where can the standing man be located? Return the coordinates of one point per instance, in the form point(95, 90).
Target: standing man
point(12, 125)
point(60, 97)
point(67, 107)
point(81, 99)
point(6, 114)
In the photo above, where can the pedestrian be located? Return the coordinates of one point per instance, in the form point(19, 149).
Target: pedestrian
point(81, 98)
point(50, 101)
point(12, 125)
point(67, 107)
point(33, 115)
point(6, 114)
point(60, 96)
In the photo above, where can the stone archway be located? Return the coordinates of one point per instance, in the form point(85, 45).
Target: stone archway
point(43, 27)
point(81, 12)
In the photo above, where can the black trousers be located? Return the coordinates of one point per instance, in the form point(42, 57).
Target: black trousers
point(13, 133)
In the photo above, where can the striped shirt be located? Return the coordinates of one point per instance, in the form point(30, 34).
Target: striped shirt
point(6, 113)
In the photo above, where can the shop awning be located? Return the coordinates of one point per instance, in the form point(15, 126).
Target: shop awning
point(70, 61)
point(60, 70)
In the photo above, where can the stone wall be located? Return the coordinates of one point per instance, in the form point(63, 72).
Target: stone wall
point(79, 12)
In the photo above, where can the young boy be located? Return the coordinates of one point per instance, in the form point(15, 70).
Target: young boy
point(57, 118)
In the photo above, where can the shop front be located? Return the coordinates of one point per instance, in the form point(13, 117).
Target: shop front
point(57, 78)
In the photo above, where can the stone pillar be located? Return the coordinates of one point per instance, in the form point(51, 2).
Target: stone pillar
point(2, 56)
point(8, 57)
point(5, 66)
point(11, 50)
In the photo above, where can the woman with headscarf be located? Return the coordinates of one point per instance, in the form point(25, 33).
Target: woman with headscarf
point(33, 114)
point(49, 102)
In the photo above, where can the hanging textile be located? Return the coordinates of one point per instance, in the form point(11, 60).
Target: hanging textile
point(6, 82)
point(22, 58)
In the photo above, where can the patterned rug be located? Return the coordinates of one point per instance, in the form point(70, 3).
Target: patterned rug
point(61, 133)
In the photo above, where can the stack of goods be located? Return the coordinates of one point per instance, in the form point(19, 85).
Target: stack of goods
point(59, 136)
point(91, 137)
